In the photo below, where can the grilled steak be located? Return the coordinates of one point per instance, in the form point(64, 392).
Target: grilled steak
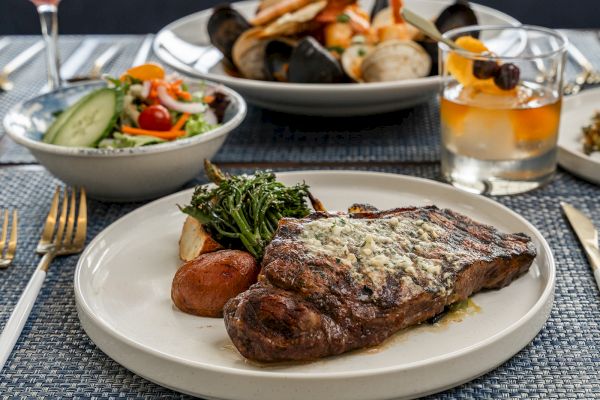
point(331, 283)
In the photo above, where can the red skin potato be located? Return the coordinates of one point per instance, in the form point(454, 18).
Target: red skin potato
point(203, 285)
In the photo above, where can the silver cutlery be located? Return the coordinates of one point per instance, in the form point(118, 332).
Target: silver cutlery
point(98, 66)
point(63, 235)
point(144, 51)
point(18, 62)
point(587, 234)
point(7, 256)
point(588, 76)
point(181, 50)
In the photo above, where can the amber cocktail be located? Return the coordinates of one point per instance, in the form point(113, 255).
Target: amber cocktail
point(500, 107)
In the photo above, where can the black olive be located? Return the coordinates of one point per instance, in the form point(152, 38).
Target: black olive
point(507, 76)
point(484, 69)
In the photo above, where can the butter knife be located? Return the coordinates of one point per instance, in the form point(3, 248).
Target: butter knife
point(587, 234)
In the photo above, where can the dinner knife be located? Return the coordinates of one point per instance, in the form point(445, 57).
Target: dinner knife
point(144, 51)
point(588, 236)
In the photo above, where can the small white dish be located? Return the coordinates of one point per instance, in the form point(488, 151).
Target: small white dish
point(127, 174)
point(123, 283)
point(577, 112)
point(185, 46)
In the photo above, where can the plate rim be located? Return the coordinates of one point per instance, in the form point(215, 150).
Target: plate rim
point(595, 92)
point(541, 302)
point(300, 87)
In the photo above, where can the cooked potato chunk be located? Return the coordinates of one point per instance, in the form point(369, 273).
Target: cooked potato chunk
point(195, 241)
point(202, 286)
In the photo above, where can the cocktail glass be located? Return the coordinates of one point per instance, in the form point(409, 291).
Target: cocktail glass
point(500, 107)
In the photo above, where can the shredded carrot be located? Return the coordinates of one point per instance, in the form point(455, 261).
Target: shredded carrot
point(180, 122)
point(184, 95)
point(208, 99)
point(172, 134)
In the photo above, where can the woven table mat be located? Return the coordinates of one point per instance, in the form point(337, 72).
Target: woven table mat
point(55, 359)
point(267, 136)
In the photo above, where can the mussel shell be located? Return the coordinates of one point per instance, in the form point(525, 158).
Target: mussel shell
point(456, 15)
point(277, 59)
point(312, 63)
point(378, 5)
point(249, 54)
point(225, 26)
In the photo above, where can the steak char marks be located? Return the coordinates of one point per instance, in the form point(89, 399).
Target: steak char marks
point(332, 283)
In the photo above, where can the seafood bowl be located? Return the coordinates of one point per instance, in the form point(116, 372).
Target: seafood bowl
point(186, 46)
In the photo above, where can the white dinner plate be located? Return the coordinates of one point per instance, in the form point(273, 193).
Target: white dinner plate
point(123, 283)
point(577, 111)
point(184, 45)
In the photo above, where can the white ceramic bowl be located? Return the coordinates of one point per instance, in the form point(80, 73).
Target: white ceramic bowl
point(184, 45)
point(128, 174)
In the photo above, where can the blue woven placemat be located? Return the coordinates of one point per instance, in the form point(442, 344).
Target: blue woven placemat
point(267, 136)
point(55, 359)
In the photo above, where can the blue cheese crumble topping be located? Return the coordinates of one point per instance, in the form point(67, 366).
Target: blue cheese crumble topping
point(373, 249)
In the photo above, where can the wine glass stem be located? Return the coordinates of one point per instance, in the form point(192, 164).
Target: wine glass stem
point(49, 20)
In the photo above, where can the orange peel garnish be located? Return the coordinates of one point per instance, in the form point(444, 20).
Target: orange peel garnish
point(461, 67)
point(146, 72)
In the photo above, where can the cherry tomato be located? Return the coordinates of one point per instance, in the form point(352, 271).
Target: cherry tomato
point(155, 118)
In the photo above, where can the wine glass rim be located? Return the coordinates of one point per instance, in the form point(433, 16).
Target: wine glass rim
point(469, 54)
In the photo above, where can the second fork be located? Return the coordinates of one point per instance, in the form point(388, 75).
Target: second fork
point(63, 234)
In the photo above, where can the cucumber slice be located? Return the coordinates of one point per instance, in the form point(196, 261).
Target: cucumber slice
point(92, 119)
point(60, 120)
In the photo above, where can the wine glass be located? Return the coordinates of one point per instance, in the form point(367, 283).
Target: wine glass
point(48, 12)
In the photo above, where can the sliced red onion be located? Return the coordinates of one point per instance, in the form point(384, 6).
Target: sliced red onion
point(172, 104)
point(146, 86)
point(210, 117)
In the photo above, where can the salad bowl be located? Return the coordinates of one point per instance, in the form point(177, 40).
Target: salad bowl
point(117, 174)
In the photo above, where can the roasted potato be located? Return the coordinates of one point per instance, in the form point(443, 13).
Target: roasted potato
point(195, 241)
point(202, 286)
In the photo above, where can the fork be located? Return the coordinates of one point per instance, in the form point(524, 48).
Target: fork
point(61, 236)
point(588, 75)
point(7, 257)
point(16, 63)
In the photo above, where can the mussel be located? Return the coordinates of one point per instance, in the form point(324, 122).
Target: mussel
point(312, 63)
point(225, 26)
point(454, 16)
point(248, 54)
point(277, 59)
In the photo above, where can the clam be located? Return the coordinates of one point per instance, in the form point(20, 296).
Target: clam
point(352, 59)
point(396, 60)
point(249, 54)
point(295, 22)
point(225, 26)
point(312, 63)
